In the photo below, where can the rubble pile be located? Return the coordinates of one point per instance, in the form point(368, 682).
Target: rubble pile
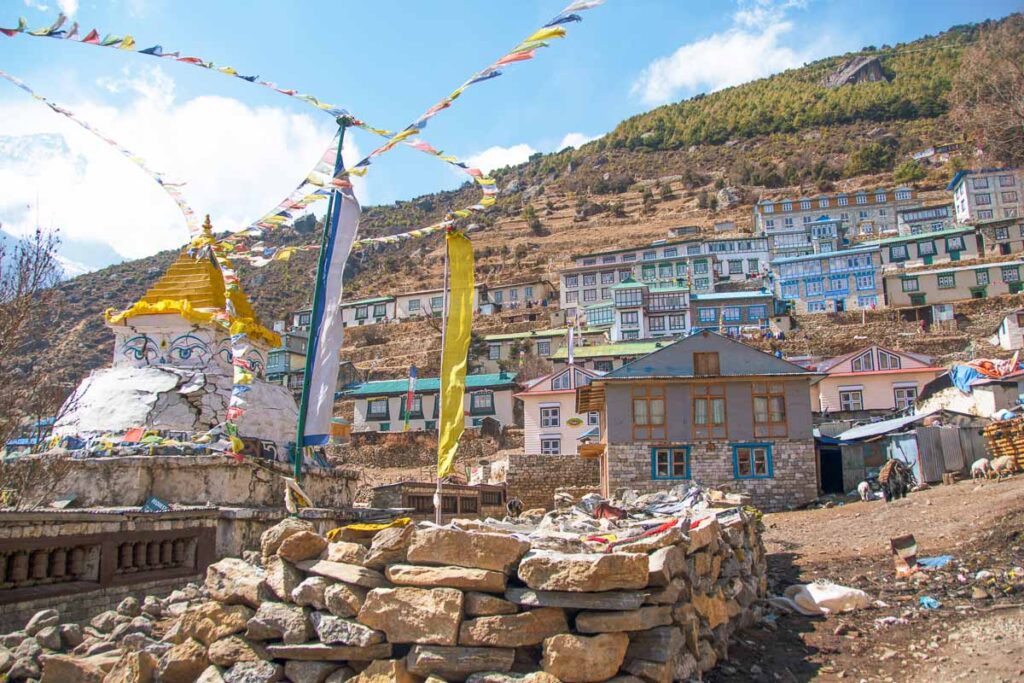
point(651, 587)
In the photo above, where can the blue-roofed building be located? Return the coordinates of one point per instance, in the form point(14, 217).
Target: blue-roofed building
point(830, 282)
point(710, 409)
point(730, 312)
point(641, 310)
point(380, 405)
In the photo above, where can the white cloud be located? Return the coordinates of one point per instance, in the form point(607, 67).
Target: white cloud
point(499, 157)
point(238, 161)
point(576, 140)
point(36, 5)
point(753, 47)
point(68, 7)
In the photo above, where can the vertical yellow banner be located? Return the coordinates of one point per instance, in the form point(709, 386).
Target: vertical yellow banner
point(456, 350)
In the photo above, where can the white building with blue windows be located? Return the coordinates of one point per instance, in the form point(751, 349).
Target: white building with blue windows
point(830, 282)
point(639, 310)
point(732, 313)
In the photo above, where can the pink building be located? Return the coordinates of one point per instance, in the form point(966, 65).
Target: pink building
point(871, 380)
point(551, 425)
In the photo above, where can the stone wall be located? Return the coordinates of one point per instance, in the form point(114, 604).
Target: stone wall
point(535, 478)
point(794, 480)
point(197, 480)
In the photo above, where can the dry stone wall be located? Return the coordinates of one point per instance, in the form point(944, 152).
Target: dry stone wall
point(535, 479)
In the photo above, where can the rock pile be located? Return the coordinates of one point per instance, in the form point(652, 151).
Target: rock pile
point(586, 594)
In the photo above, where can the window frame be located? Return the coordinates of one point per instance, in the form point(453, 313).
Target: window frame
point(671, 454)
point(375, 416)
point(769, 466)
point(648, 395)
point(908, 402)
point(767, 392)
point(711, 362)
point(553, 418)
point(847, 405)
point(546, 448)
point(709, 395)
point(484, 410)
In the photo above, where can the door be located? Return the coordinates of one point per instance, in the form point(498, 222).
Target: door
point(831, 470)
point(1004, 249)
point(840, 305)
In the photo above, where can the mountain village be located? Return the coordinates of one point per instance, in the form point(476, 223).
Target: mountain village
point(667, 426)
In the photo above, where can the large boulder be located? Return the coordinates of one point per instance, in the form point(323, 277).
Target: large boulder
point(183, 663)
point(389, 546)
point(210, 621)
point(254, 672)
point(339, 631)
point(581, 659)
point(282, 577)
point(583, 573)
point(273, 537)
point(134, 667)
point(233, 649)
point(414, 615)
point(440, 546)
point(385, 671)
point(303, 545)
point(311, 592)
point(345, 552)
point(235, 582)
point(484, 605)
point(343, 600)
point(67, 669)
point(308, 672)
point(279, 621)
point(347, 573)
point(463, 578)
point(42, 619)
point(514, 630)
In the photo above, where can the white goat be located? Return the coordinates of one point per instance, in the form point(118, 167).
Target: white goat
point(864, 489)
point(980, 469)
point(1004, 465)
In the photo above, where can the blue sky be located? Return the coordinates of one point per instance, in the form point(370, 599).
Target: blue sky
point(241, 148)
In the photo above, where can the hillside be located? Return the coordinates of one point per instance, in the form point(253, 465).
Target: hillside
point(785, 134)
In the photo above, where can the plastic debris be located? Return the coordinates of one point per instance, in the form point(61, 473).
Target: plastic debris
point(929, 602)
point(934, 562)
point(821, 598)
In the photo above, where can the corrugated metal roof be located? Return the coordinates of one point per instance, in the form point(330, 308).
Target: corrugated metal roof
point(428, 385)
point(557, 332)
point(620, 349)
point(879, 428)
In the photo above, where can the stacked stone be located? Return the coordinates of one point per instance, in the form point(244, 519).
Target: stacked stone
point(654, 599)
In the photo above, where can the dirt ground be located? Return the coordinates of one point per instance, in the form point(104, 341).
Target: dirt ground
point(977, 633)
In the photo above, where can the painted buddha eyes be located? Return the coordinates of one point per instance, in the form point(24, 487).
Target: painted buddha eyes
point(188, 347)
point(139, 347)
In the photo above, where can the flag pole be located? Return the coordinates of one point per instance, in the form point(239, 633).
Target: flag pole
point(440, 411)
point(318, 295)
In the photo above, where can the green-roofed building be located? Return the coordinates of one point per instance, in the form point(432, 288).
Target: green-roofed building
point(954, 244)
point(607, 357)
point(380, 405)
point(641, 310)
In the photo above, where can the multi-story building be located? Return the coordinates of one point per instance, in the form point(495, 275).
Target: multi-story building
point(551, 425)
point(871, 381)
point(737, 258)
point(945, 285)
point(380, 406)
point(518, 294)
point(606, 357)
point(502, 347)
point(862, 212)
point(730, 312)
point(1009, 336)
point(925, 249)
point(286, 364)
point(817, 236)
point(640, 311)
point(372, 311)
point(834, 282)
point(1001, 237)
point(925, 219)
point(590, 280)
point(709, 409)
point(988, 194)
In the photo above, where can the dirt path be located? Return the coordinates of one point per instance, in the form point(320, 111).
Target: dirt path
point(972, 636)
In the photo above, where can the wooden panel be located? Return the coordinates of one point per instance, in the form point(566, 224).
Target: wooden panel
point(929, 452)
point(952, 453)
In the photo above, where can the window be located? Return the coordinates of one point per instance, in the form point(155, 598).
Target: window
point(563, 381)
point(513, 295)
point(843, 201)
point(791, 290)
point(787, 206)
point(608, 278)
point(606, 293)
point(1002, 233)
point(902, 194)
point(905, 397)
point(593, 419)
point(589, 261)
point(362, 312)
point(680, 268)
point(983, 198)
point(1008, 197)
point(625, 274)
point(926, 248)
point(947, 280)
point(823, 203)
point(770, 224)
point(421, 503)
point(865, 281)
point(815, 306)
point(450, 505)
point(863, 363)
point(985, 214)
point(769, 208)
point(705, 363)
point(590, 279)
point(805, 204)
point(469, 505)
point(528, 293)
point(1011, 273)
point(648, 412)
point(910, 284)
point(1010, 213)
point(481, 403)
point(851, 400)
point(589, 295)
point(380, 310)
point(862, 199)
point(670, 463)
point(607, 259)
point(630, 319)
point(862, 214)
point(979, 183)
point(498, 296)
point(757, 313)
point(955, 243)
point(981, 276)
point(494, 352)
point(604, 365)
point(1005, 181)
point(625, 298)
point(670, 253)
point(708, 408)
point(377, 409)
point(650, 255)
point(414, 305)
point(551, 446)
point(752, 461)
point(572, 281)
point(437, 302)
point(888, 361)
point(867, 301)
point(732, 314)
point(701, 283)
point(812, 287)
point(898, 252)
point(735, 266)
point(648, 273)
point(657, 324)
point(787, 223)
point(769, 409)
point(572, 297)
point(677, 322)
point(665, 270)
point(838, 283)
point(753, 265)
point(550, 416)
point(417, 408)
point(543, 348)
point(626, 258)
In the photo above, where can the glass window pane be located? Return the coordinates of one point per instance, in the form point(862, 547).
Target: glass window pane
point(760, 409)
point(657, 411)
point(700, 411)
point(778, 409)
point(639, 411)
point(718, 411)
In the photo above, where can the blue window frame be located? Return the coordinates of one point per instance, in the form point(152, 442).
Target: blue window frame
point(752, 461)
point(757, 313)
point(707, 315)
point(670, 462)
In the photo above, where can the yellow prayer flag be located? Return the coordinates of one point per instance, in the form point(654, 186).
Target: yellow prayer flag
point(456, 349)
point(546, 34)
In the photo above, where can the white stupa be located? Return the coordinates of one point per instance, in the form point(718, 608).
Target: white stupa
point(172, 363)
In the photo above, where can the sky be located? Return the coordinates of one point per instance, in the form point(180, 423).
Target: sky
point(241, 148)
